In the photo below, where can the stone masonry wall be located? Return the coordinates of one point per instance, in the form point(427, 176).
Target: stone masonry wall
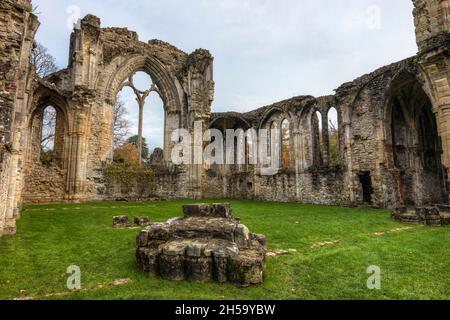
point(432, 21)
point(44, 184)
point(101, 59)
point(17, 28)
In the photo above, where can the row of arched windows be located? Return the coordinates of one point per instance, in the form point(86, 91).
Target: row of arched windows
point(324, 141)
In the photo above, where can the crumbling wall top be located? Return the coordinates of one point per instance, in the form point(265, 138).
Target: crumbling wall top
point(19, 4)
point(383, 74)
point(91, 20)
point(256, 116)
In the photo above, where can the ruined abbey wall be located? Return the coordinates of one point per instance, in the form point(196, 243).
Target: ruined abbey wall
point(393, 145)
point(432, 21)
point(17, 28)
point(365, 146)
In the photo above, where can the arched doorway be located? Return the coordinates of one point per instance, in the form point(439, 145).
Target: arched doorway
point(416, 145)
point(46, 162)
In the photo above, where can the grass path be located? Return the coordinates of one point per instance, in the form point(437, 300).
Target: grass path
point(331, 249)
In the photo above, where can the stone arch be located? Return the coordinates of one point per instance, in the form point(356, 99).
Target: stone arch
point(271, 120)
point(305, 136)
point(169, 87)
point(410, 127)
point(46, 181)
point(166, 82)
point(267, 116)
point(43, 99)
point(230, 121)
point(234, 121)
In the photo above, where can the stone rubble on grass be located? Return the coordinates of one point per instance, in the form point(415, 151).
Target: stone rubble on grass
point(207, 244)
point(430, 216)
point(125, 222)
point(121, 222)
point(141, 221)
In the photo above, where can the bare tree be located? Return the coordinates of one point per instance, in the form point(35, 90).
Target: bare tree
point(121, 124)
point(44, 62)
point(48, 129)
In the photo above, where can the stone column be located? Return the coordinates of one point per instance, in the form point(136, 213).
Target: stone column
point(17, 32)
point(297, 154)
point(76, 177)
point(443, 117)
point(349, 180)
point(325, 138)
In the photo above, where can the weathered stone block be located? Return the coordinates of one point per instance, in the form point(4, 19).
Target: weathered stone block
point(196, 210)
point(397, 213)
point(242, 236)
point(221, 210)
point(429, 216)
point(121, 222)
point(172, 260)
point(259, 238)
point(220, 266)
point(159, 231)
point(443, 208)
point(142, 239)
point(198, 269)
point(445, 219)
point(202, 248)
point(147, 260)
point(247, 268)
point(142, 221)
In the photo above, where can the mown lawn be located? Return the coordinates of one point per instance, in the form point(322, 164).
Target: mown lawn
point(335, 246)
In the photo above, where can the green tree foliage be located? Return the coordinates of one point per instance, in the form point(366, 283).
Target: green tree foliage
point(134, 141)
point(333, 137)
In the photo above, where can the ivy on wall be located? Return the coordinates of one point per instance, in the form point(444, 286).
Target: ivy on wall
point(131, 177)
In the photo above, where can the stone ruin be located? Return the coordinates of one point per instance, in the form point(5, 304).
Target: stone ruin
point(430, 216)
point(207, 244)
point(125, 222)
point(389, 148)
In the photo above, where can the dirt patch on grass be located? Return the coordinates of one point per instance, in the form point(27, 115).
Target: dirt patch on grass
point(396, 230)
point(280, 252)
point(115, 283)
point(325, 244)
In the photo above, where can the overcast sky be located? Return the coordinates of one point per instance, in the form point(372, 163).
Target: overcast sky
point(265, 50)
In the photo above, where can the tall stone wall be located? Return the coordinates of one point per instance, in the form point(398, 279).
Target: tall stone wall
point(375, 167)
point(101, 60)
point(17, 29)
point(432, 20)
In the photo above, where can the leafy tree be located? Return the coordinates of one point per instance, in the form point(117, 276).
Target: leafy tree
point(134, 140)
point(333, 137)
point(127, 154)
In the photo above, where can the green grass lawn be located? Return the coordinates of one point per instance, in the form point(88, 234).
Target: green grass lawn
point(414, 260)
